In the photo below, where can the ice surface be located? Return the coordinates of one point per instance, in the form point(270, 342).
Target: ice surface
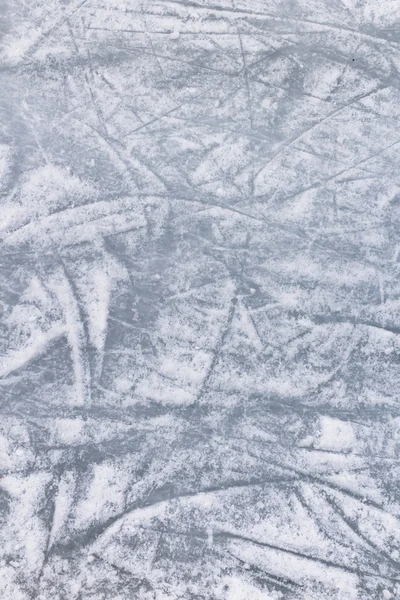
point(200, 299)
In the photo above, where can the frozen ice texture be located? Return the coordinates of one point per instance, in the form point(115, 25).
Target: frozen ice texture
point(200, 299)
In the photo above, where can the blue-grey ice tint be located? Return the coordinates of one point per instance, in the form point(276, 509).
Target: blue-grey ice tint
point(199, 299)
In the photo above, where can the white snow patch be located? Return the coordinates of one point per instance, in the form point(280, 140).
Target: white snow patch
point(335, 435)
point(69, 431)
point(238, 589)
